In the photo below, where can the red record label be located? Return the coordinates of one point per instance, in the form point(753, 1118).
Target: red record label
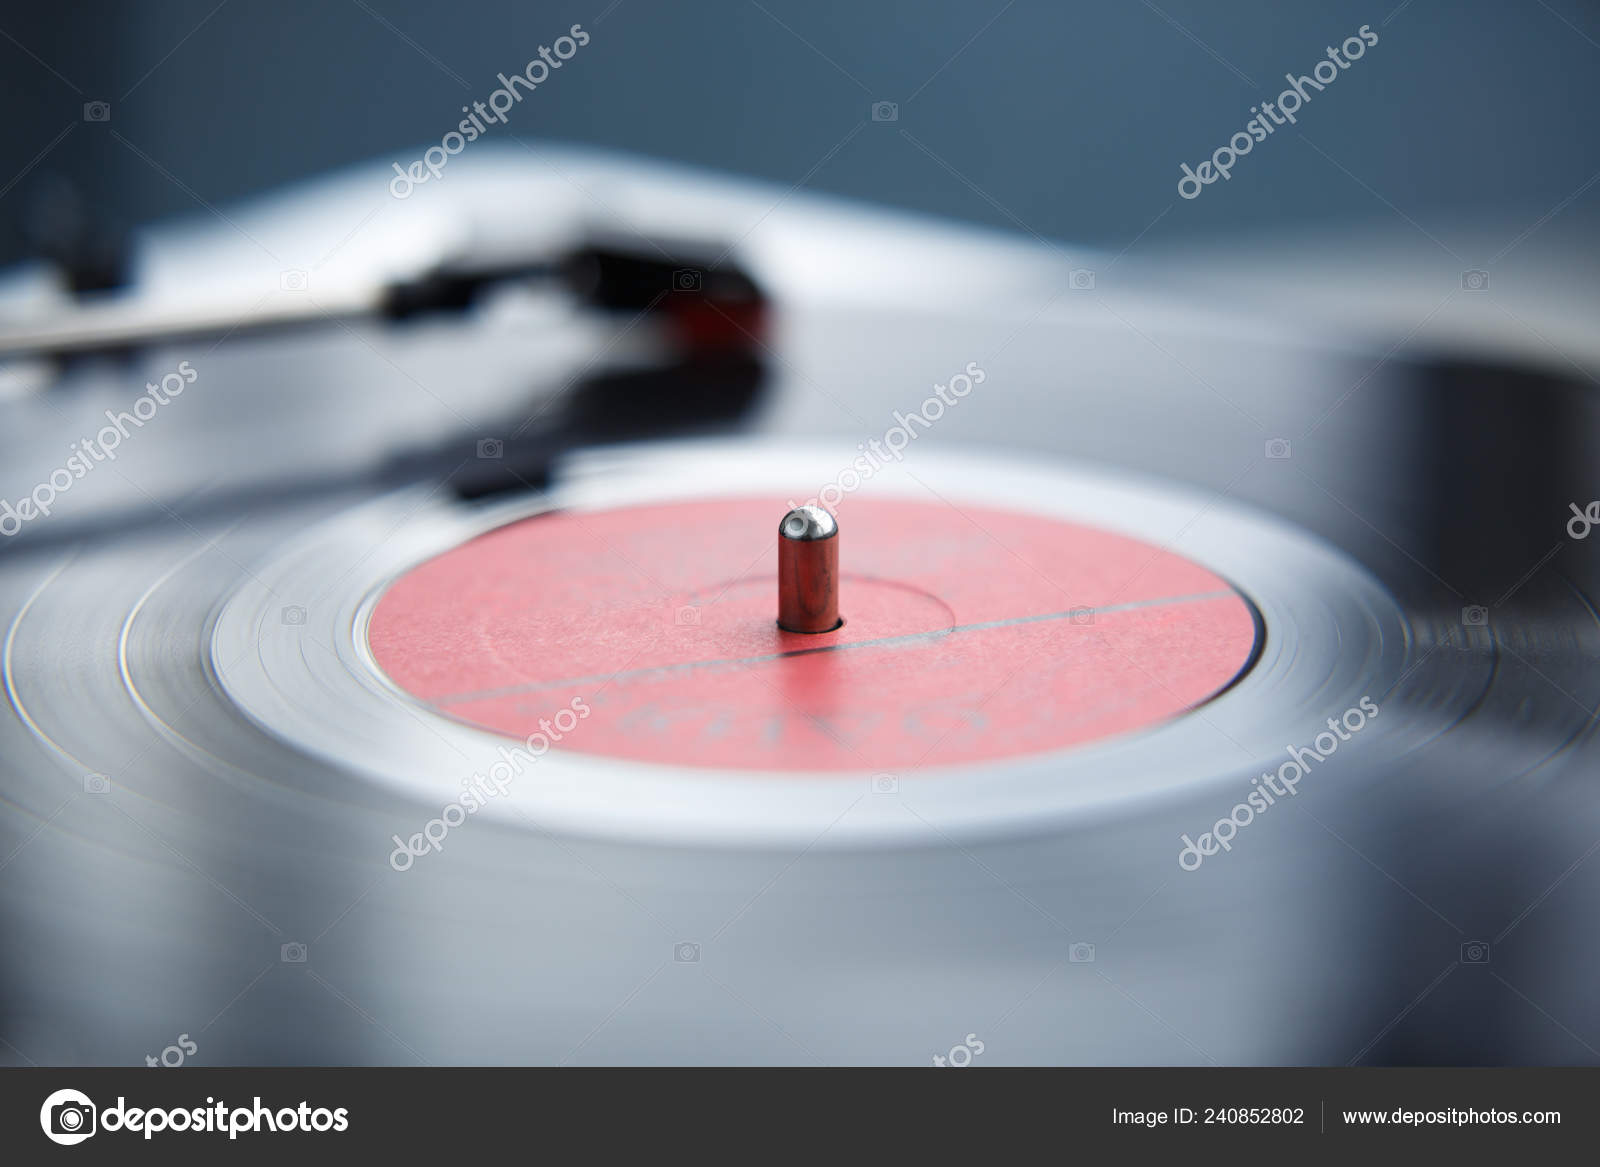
point(971, 634)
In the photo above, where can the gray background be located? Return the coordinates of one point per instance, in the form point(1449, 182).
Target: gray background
point(1068, 119)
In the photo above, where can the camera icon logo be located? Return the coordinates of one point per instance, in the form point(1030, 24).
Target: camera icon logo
point(884, 784)
point(1475, 616)
point(686, 279)
point(67, 1117)
point(1475, 281)
point(97, 111)
point(96, 784)
point(1475, 952)
point(293, 280)
point(1081, 279)
point(688, 616)
point(292, 953)
point(293, 614)
point(1081, 953)
point(490, 449)
point(1080, 616)
point(1278, 449)
point(885, 111)
point(686, 953)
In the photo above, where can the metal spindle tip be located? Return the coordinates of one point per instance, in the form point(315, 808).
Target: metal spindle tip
point(808, 523)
